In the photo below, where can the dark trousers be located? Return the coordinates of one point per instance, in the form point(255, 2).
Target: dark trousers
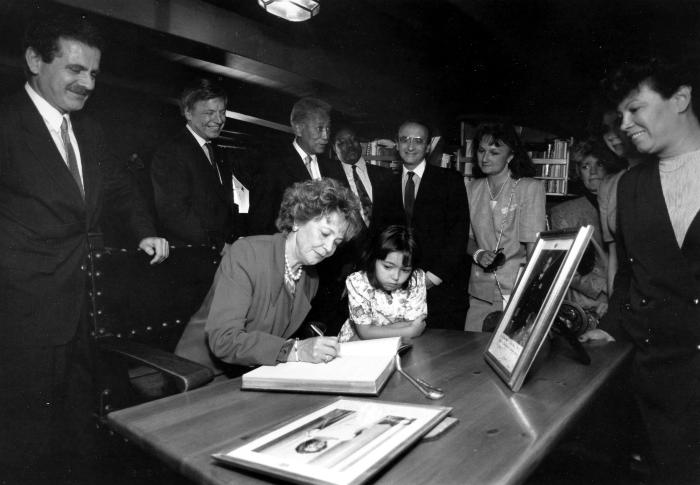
point(447, 306)
point(47, 405)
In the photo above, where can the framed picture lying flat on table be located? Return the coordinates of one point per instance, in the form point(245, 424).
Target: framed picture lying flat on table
point(343, 442)
point(534, 303)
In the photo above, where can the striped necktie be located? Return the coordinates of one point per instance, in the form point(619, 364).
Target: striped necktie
point(365, 200)
point(71, 158)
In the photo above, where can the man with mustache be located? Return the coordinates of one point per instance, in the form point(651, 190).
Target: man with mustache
point(201, 195)
point(55, 178)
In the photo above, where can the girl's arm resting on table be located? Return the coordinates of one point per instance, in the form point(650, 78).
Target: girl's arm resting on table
point(407, 329)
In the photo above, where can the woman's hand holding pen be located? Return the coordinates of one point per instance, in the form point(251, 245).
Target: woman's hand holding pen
point(490, 260)
point(318, 349)
point(486, 257)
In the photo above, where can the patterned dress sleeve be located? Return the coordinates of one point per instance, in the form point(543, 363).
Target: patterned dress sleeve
point(417, 299)
point(359, 298)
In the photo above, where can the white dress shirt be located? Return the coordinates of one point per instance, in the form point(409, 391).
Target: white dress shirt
point(53, 120)
point(418, 175)
point(362, 173)
point(313, 164)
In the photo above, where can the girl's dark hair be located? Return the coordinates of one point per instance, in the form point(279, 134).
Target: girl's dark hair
point(393, 238)
point(504, 134)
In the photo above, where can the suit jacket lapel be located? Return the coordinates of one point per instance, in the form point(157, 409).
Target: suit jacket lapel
point(424, 186)
point(225, 187)
point(89, 159)
point(295, 166)
point(208, 171)
point(45, 151)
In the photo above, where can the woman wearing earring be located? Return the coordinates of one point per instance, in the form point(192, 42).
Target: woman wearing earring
point(263, 288)
point(507, 210)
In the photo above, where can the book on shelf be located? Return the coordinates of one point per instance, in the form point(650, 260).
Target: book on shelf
point(361, 367)
point(382, 149)
point(552, 166)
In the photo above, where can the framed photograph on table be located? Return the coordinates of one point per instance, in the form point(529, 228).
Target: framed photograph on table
point(534, 303)
point(341, 443)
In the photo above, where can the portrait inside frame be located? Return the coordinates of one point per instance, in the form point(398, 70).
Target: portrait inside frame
point(534, 303)
point(343, 442)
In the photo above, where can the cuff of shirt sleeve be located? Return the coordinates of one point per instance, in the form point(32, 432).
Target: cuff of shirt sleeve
point(476, 254)
point(283, 355)
point(433, 278)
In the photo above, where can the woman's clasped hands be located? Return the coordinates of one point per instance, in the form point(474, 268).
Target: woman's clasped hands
point(490, 260)
point(318, 349)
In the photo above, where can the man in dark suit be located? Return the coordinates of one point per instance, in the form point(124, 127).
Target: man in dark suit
point(435, 205)
point(55, 177)
point(656, 296)
point(370, 183)
point(199, 198)
point(301, 160)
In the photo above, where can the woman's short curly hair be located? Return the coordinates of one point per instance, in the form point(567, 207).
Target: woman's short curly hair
point(594, 147)
point(310, 199)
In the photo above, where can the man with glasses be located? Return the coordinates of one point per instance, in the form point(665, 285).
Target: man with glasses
point(435, 206)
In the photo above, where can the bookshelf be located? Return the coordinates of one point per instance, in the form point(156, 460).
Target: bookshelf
point(381, 152)
point(553, 166)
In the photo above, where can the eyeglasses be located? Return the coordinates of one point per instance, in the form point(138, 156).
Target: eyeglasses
point(417, 140)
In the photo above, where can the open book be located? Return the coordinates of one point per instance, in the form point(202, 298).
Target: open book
point(362, 367)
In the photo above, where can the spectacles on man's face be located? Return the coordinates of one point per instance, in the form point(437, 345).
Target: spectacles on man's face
point(417, 140)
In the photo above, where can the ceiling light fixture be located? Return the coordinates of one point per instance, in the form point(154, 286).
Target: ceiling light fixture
point(292, 10)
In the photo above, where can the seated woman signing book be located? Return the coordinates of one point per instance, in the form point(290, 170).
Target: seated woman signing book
point(264, 285)
point(388, 297)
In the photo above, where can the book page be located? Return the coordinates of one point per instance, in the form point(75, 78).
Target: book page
point(379, 346)
point(341, 369)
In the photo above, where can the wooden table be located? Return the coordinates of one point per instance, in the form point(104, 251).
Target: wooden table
point(500, 438)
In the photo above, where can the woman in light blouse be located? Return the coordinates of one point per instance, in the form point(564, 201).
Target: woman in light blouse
point(507, 210)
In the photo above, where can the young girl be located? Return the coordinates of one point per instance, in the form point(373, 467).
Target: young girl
point(387, 298)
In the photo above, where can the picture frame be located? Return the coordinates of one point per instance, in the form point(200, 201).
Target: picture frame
point(343, 442)
point(534, 303)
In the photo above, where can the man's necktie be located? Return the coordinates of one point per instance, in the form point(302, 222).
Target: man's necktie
point(212, 159)
point(70, 157)
point(307, 162)
point(409, 196)
point(363, 195)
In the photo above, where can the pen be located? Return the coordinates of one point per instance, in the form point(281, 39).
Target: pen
point(316, 330)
